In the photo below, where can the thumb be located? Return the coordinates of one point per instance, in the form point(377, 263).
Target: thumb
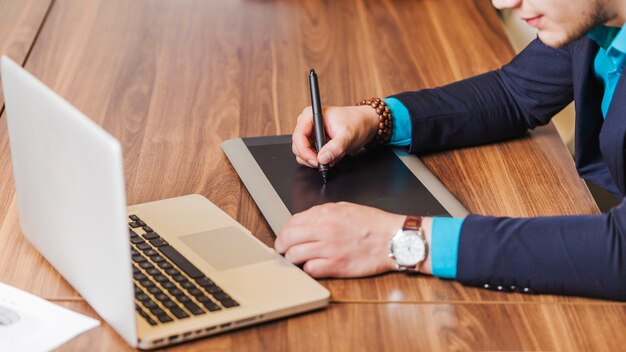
point(333, 151)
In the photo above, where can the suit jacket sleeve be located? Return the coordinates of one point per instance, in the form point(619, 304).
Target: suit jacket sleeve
point(498, 105)
point(578, 255)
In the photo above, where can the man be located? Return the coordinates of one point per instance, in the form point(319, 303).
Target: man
point(579, 54)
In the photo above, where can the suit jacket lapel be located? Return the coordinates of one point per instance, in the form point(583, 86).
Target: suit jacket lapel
point(612, 135)
point(588, 99)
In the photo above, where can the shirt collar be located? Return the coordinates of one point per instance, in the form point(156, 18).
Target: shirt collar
point(613, 41)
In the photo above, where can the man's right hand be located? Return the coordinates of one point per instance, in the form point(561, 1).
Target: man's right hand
point(349, 129)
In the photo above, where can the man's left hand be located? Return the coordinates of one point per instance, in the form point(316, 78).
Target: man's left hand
point(340, 240)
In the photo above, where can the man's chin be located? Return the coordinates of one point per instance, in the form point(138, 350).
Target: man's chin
point(554, 40)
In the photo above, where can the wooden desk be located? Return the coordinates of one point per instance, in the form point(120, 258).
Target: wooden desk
point(173, 79)
point(20, 21)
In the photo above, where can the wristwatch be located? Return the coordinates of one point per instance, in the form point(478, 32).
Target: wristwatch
point(408, 246)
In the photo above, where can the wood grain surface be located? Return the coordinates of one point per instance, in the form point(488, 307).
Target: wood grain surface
point(173, 79)
point(408, 327)
point(20, 21)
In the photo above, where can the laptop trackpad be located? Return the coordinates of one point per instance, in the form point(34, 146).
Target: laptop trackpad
point(226, 248)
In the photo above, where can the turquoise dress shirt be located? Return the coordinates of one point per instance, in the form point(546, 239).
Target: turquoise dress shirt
point(446, 231)
point(609, 62)
point(608, 67)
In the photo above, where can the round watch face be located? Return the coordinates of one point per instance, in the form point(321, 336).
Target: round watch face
point(408, 248)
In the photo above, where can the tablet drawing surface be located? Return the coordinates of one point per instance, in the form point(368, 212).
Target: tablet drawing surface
point(376, 178)
point(385, 178)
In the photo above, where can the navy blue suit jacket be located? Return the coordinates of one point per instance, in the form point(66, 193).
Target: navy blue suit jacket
point(578, 255)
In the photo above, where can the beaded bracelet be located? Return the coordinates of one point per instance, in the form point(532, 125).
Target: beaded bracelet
point(383, 135)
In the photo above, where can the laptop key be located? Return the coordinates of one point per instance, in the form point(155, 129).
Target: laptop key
point(169, 304)
point(149, 304)
point(136, 240)
point(182, 262)
point(160, 278)
point(164, 318)
point(134, 217)
point(165, 265)
point(158, 242)
point(146, 283)
point(204, 282)
point(229, 303)
point(147, 228)
point(138, 258)
point(221, 295)
point(139, 276)
point(194, 308)
point(152, 271)
point(203, 299)
point(208, 303)
point(157, 258)
point(140, 222)
point(133, 224)
point(213, 289)
point(150, 252)
point(179, 278)
point(174, 289)
point(179, 313)
point(146, 265)
point(142, 297)
point(162, 297)
point(172, 271)
point(168, 285)
point(196, 292)
point(188, 285)
point(212, 307)
point(183, 299)
point(150, 235)
point(146, 316)
point(140, 311)
point(154, 290)
point(143, 246)
point(157, 311)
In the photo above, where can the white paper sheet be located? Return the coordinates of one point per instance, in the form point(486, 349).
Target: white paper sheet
point(29, 323)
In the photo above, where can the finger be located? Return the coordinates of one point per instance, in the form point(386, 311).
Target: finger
point(301, 143)
point(319, 267)
point(302, 128)
point(292, 235)
point(303, 252)
point(310, 217)
point(304, 149)
point(333, 151)
point(303, 162)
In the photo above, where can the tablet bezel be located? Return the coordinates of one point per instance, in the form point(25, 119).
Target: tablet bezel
point(276, 212)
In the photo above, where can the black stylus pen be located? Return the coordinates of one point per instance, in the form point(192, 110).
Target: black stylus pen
point(318, 121)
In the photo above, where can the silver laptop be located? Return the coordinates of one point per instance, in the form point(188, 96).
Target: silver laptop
point(158, 273)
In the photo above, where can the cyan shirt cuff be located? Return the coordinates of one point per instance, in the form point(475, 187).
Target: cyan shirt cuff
point(444, 246)
point(401, 122)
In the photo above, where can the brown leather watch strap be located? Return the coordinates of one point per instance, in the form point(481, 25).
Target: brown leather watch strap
point(413, 223)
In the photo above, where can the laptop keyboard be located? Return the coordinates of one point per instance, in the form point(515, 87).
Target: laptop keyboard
point(167, 286)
